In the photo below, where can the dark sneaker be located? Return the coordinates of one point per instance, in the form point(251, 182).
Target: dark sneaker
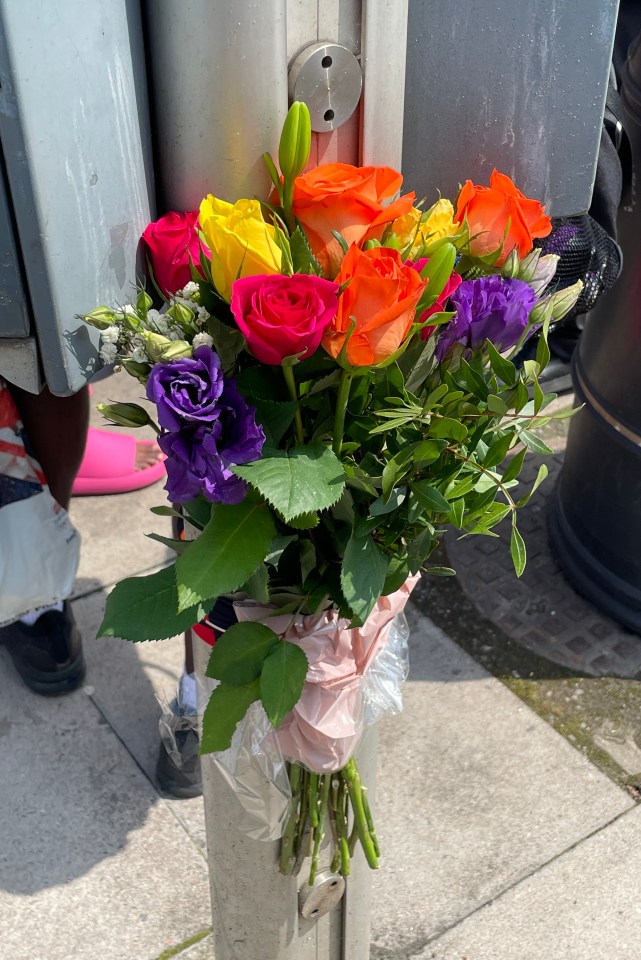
point(48, 655)
point(178, 766)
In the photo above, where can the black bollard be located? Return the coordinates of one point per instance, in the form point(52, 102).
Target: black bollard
point(595, 511)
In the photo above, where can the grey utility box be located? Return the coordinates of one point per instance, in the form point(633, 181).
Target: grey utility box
point(75, 180)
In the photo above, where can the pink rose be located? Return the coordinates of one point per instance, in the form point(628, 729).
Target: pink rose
point(170, 240)
point(283, 316)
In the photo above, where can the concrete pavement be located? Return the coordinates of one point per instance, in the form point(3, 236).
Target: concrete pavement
point(500, 839)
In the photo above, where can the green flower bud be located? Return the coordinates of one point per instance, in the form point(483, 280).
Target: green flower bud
point(182, 315)
point(564, 300)
point(125, 414)
point(510, 268)
point(143, 302)
point(295, 141)
point(155, 343)
point(140, 371)
point(101, 318)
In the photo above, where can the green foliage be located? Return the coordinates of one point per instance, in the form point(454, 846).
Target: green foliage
point(296, 482)
point(281, 680)
point(230, 548)
point(146, 608)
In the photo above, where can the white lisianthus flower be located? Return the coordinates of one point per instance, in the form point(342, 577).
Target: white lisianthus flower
point(202, 340)
point(128, 308)
point(108, 352)
point(110, 334)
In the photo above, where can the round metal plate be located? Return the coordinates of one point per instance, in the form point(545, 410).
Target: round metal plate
point(316, 901)
point(328, 78)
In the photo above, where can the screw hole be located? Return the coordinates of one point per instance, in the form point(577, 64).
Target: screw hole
point(334, 883)
point(328, 116)
point(326, 62)
point(314, 913)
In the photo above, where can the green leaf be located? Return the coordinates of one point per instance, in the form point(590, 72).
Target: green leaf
point(228, 342)
point(497, 405)
point(275, 417)
point(363, 574)
point(515, 466)
point(303, 259)
point(226, 708)
point(277, 548)
point(257, 586)
point(198, 512)
point(380, 506)
point(449, 428)
point(430, 497)
point(238, 656)
point(178, 546)
point(231, 546)
point(532, 442)
point(457, 509)
point(517, 551)
point(145, 608)
point(397, 573)
point(307, 559)
point(504, 370)
point(542, 351)
point(497, 451)
point(299, 481)
point(166, 511)
point(440, 571)
point(281, 680)
point(540, 477)
point(306, 521)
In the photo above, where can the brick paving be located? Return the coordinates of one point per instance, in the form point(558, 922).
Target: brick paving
point(541, 610)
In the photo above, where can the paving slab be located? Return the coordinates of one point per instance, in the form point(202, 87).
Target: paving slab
point(128, 682)
point(93, 864)
point(583, 905)
point(475, 793)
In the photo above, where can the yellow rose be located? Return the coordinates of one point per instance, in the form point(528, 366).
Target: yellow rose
point(418, 228)
point(241, 243)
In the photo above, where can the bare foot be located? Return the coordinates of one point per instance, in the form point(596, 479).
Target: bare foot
point(147, 456)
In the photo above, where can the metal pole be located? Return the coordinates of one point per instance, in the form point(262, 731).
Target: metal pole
point(219, 79)
point(256, 911)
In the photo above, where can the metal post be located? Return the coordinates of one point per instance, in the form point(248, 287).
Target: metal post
point(256, 911)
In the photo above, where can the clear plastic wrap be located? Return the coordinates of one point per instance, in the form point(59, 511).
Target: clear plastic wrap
point(355, 677)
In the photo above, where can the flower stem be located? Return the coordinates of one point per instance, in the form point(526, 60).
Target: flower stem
point(290, 380)
point(287, 849)
point(353, 780)
point(341, 408)
point(320, 830)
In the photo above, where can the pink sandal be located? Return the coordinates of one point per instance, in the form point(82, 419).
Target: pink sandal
point(109, 465)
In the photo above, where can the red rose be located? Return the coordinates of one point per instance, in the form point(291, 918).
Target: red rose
point(283, 316)
point(170, 240)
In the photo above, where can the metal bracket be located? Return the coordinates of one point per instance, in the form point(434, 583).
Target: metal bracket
point(323, 896)
point(328, 78)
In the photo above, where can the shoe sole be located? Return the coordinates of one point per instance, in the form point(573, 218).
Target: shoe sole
point(65, 681)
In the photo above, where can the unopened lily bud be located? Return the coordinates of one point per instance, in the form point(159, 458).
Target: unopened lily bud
point(125, 414)
point(543, 273)
point(101, 318)
point(155, 343)
point(564, 300)
point(511, 266)
point(295, 141)
point(177, 349)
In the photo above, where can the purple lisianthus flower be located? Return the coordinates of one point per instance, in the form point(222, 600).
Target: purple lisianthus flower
point(187, 389)
point(488, 308)
point(200, 454)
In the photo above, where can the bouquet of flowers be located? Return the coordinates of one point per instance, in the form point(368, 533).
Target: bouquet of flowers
point(333, 382)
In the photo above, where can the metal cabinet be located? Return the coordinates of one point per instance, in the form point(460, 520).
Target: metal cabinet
point(76, 180)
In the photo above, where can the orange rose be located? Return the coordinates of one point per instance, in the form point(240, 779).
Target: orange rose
point(338, 196)
point(381, 297)
point(491, 210)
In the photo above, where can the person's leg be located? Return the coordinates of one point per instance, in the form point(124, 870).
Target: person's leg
point(57, 430)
